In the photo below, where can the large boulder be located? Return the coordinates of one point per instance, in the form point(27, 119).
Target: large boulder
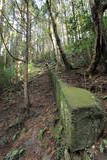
point(81, 113)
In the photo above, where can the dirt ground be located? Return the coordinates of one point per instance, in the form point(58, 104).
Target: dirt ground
point(42, 118)
point(35, 134)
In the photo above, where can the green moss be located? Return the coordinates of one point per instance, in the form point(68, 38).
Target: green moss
point(78, 97)
point(81, 114)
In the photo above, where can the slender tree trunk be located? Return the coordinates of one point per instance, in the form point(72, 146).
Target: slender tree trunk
point(51, 38)
point(2, 31)
point(67, 30)
point(68, 66)
point(26, 91)
point(75, 21)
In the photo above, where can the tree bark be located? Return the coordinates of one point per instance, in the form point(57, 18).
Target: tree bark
point(26, 91)
point(68, 66)
point(97, 10)
point(51, 38)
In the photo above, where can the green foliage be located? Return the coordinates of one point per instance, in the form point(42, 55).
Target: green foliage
point(4, 140)
point(47, 56)
point(85, 22)
point(6, 76)
point(105, 20)
point(17, 134)
point(60, 152)
point(15, 154)
point(86, 156)
point(81, 20)
point(34, 69)
point(60, 146)
point(103, 145)
point(81, 50)
point(58, 133)
point(41, 133)
point(82, 36)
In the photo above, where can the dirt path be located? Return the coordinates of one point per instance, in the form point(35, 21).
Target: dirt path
point(35, 136)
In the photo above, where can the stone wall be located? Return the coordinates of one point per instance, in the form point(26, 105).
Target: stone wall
point(81, 114)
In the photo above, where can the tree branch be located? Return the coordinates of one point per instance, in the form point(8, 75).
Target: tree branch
point(20, 11)
point(15, 58)
point(11, 24)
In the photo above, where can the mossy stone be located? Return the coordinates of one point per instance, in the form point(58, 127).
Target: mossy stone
point(81, 113)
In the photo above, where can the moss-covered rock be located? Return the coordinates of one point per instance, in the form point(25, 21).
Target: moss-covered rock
point(81, 113)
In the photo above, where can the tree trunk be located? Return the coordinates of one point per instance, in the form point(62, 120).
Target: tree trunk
point(51, 38)
point(97, 10)
point(98, 43)
point(68, 66)
point(26, 92)
point(2, 31)
point(75, 21)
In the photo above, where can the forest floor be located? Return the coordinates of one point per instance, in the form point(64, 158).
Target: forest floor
point(35, 134)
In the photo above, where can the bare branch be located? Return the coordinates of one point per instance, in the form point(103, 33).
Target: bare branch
point(20, 11)
point(15, 58)
point(10, 24)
